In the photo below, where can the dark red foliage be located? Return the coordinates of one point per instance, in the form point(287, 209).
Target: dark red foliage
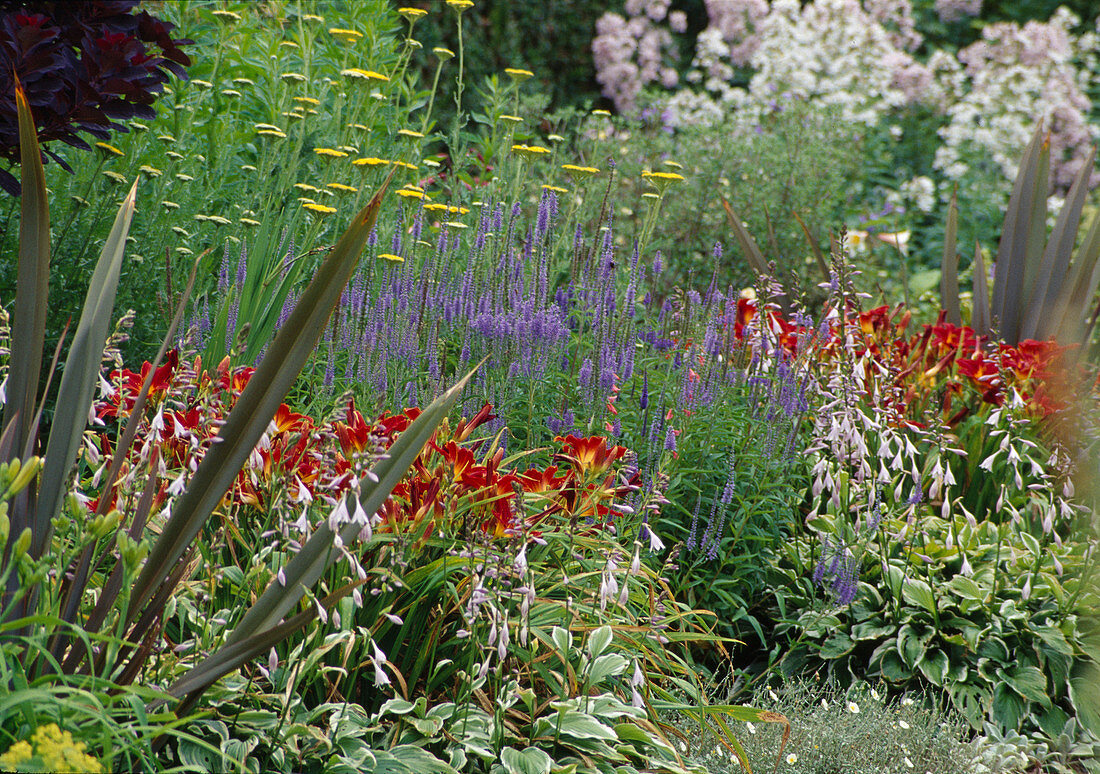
point(84, 65)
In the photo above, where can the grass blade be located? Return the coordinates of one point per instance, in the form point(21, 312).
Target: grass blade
point(746, 242)
point(1012, 252)
point(980, 318)
point(79, 379)
point(28, 328)
point(1051, 282)
point(949, 267)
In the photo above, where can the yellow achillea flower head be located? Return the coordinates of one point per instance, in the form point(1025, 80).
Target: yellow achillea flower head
point(578, 172)
point(412, 14)
point(226, 15)
point(460, 5)
point(529, 152)
point(150, 171)
point(342, 188)
point(320, 209)
point(361, 74)
point(293, 77)
point(109, 150)
point(409, 193)
point(556, 189)
point(330, 152)
point(370, 161)
point(313, 18)
point(307, 187)
point(510, 118)
point(662, 180)
point(413, 135)
point(517, 74)
point(307, 100)
point(114, 177)
point(345, 36)
point(249, 222)
point(405, 164)
point(601, 112)
point(391, 257)
point(443, 53)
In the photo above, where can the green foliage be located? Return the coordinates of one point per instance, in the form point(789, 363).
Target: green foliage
point(799, 161)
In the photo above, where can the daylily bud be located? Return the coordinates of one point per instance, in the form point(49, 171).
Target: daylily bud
point(22, 544)
point(23, 476)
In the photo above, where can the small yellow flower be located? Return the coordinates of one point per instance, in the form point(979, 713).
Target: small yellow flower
point(405, 164)
point(556, 189)
point(578, 172)
point(150, 171)
point(360, 127)
point(166, 138)
point(169, 205)
point(230, 93)
point(183, 251)
point(330, 152)
point(302, 199)
point(430, 162)
point(511, 119)
point(460, 5)
point(200, 218)
point(173, 155)
point(288, 44)
point(307, 100)
point(79, 200)
point(248, 168)
point(114, 177)
point(312, 17)
point(348, 148)
point(443, 53)
point(249, 222)
point(409, 193)
point(244, 82)
point(343, 188)
point(391, 257)
point(271, 133)
point(226, 15)
point(601, 112)
point(320, 209)
point(662, 180)
point(293, 77)
point(412, 14)
point(672, 164)
point(529, 152)
point(555, 138)
point(455, 224)
point(364, 75)
point(139, 126)
point(219, 220)
point(202, 84)
point(370, 161)
point(109, 150)
point(345, 36)
point(184, 177)
point(307, 187)
point(412, 135)
point(293, 115)
point(180, 231)
point(518, 75)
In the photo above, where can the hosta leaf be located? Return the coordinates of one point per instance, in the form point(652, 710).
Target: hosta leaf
point(1008, 707)
point(1027, 681)
point(970, 700)
point(529, 761)
point(1084, 692)
point(917, 592)
point(934, 667)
